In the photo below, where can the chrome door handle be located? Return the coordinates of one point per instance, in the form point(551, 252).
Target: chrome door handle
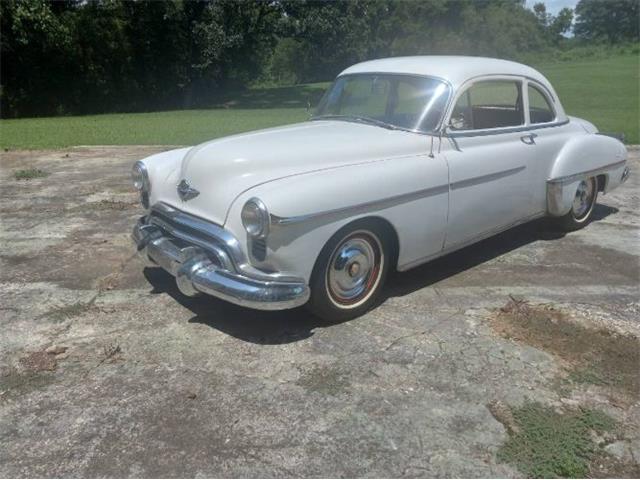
point(529, 139)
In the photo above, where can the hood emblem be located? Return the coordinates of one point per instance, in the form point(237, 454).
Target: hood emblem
point(186, 192)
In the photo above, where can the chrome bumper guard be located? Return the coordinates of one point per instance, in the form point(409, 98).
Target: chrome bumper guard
point(199, 271)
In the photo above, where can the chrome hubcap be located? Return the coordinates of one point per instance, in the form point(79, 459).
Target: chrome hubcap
point(354, 269)
point(583, 199)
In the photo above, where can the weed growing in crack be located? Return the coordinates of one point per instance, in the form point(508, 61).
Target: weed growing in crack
point(30, 173)
point(548, 444)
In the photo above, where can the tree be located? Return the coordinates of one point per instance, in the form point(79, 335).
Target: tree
point(561, 23)
point(540, 9)
point(554, 27)
point(330, 36)
point(36, 56)
point(87, 56)
point(611, 20)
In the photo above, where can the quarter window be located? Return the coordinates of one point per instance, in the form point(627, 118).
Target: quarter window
point(489, 104)
point(540, 111)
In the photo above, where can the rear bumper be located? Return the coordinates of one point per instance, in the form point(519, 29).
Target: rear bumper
point(198, 271)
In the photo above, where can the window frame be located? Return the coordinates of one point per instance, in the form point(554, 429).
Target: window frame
point(542, 91)
point(441, 121)
point(465, 87)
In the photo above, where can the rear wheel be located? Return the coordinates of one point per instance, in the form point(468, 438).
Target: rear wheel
point(582, 208)
point(350, 272)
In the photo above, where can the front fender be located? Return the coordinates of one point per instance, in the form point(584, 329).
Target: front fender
point(583, 157)
point(164, 170)
point(409, 193)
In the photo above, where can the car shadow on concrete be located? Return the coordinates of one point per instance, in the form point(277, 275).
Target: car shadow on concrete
point(288, 326)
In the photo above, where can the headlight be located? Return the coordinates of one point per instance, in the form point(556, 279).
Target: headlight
point(140, 177)
point(255, 218)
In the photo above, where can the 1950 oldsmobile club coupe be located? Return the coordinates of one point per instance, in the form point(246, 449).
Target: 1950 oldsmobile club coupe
point(405, 160)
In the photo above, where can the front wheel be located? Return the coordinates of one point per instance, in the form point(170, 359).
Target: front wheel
point(582, 207)
point(350, 272)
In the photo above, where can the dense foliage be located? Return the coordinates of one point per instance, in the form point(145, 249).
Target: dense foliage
point(84, 56)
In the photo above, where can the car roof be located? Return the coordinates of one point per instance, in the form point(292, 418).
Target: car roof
point(453, 68)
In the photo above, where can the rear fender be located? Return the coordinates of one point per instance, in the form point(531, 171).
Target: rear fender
point(584, 157)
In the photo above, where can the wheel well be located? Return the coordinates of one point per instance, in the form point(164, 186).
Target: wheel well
point(389, 232)
point(602, 182)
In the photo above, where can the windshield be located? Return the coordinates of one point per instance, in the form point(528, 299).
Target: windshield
point(387, 100)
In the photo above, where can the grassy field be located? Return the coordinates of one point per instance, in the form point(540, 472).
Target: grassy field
point(603, 91)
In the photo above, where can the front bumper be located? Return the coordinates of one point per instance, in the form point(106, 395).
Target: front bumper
point(198, 270)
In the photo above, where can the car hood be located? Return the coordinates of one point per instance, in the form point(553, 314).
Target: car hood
point(221, 170)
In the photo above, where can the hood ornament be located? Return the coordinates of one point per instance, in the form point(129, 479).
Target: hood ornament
point(186, 192)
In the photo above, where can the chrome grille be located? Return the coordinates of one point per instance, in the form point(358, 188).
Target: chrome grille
point(259, 249)
point(196, 231)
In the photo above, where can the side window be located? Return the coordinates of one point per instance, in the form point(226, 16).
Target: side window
point(540, 111)
point(489, 104)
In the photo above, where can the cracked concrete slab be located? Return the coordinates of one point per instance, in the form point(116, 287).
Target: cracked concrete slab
point(198, 387)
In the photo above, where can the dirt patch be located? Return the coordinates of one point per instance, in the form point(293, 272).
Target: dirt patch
point(39, 361)
point(14, 260)
point(60, 314)
point(108, 282)
point(115, 205)
point(504, 415)
point(14, 383)
point(594, 356)
point(324, 379)
point(607, 466)
point(545, 443)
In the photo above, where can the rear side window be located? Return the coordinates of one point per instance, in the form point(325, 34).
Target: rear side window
point(540, 110)
point(490, 104)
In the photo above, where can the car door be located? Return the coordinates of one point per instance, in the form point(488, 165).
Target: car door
point(490, 160)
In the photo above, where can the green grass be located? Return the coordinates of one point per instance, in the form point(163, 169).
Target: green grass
point(250, 110)
point(603, 91)
point(548, 444)
point(30, 173)
point(183, 127)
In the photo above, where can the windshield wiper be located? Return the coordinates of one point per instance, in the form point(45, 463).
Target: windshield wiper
point(359, 119)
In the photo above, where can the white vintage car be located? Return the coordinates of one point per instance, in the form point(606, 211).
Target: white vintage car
point(405, 160)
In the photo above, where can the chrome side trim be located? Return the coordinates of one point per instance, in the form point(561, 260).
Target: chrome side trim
point(466, 243)
point(469, 182)
point(497, 131)
point(587, 173)
point(395, 199)
point(555, 186)
point(360, 207)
